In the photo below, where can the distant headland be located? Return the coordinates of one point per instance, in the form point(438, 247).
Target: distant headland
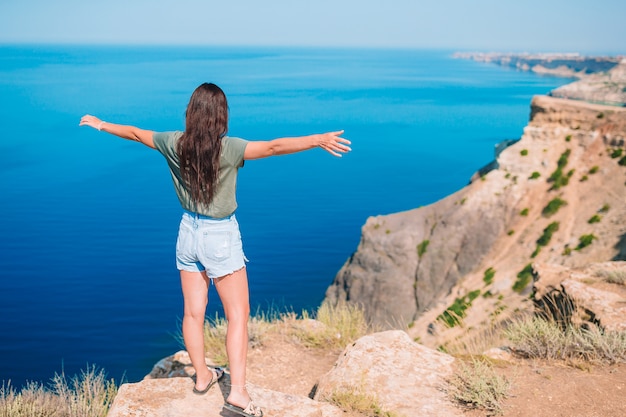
point(601, 78)
point(569, 65)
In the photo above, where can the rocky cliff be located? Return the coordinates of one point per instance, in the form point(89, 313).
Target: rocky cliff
point(555, 196)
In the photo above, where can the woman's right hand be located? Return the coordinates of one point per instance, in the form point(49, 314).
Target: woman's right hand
point(333, 143)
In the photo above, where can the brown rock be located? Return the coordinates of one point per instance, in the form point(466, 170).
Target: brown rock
point(173, 397)
point(401, 375)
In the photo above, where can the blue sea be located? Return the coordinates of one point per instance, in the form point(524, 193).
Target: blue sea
point(89, 221)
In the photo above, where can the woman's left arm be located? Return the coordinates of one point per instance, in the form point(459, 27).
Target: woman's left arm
point(331, 142)
point(122, 131)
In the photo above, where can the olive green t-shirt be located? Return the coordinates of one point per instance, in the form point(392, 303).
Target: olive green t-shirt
point(224, 200)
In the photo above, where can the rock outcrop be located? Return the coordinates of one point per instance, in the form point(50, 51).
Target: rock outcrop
point(395, 373)
point(594, 294)
point(403, 376)
point(554, 196)
point(173, 397)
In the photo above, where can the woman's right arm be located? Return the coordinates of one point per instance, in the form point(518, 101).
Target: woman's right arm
point(122, 131)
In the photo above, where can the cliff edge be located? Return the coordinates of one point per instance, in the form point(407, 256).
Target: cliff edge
point(555, 196)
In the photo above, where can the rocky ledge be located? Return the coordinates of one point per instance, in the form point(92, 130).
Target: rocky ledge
point(404, 377)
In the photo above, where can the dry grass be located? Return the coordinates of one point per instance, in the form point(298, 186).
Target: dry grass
point(351, 399)
point(476, 385)
point(89, 394)
point(342, 325)
point(335, 327)
point(477, 343)
point(613, 277)
point(537, 337)
point(215, 335)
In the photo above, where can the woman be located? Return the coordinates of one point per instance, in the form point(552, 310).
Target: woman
point(203, 162)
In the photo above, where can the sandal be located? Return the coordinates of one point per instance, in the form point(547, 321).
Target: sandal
point(216, 374)
point(251, 410)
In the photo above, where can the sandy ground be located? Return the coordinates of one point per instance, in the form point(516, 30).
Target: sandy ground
point(538, 388)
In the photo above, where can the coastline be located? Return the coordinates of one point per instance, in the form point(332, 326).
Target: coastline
point(567, 65)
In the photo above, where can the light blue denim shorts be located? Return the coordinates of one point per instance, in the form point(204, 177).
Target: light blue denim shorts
point(209, 244)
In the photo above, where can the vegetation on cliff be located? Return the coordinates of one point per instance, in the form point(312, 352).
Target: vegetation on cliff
point(89, 394)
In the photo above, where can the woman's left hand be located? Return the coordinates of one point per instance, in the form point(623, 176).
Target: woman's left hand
point(92, 121)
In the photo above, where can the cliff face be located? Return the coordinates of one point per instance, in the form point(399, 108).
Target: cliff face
point(557, 196)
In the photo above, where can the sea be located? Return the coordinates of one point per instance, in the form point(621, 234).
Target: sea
point(88, 221)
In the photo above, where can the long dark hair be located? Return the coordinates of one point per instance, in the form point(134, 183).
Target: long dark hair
point(199, 148)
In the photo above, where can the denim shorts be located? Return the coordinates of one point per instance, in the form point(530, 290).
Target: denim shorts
point(208, 244)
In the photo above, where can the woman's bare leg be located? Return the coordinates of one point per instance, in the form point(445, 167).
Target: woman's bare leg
point(195, 287)
point(233, 291)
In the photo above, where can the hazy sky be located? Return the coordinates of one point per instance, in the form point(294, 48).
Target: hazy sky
point(503, 25)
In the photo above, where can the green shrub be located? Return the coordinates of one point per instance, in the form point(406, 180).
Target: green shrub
point(545, 237)
point(488, 276)
point(562, 162)
point(584, 178)
point(547, 234)
point(456, 312)
point(421, 248)
point(553, 206)
point(510, 232)
point(616, 153)
point(568, 138)
point(534, 175)
point(524, 277)
point(605, 208)
point(524, 212)
point(622, 161)
point(524, 152)
point(600, 115)
point(594, 169)
point(557, 178)
point(594, 219)
point(585, 240)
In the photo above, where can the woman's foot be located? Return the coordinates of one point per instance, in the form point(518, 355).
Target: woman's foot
point(251, 410)
point(206, 380)
point(239, 402)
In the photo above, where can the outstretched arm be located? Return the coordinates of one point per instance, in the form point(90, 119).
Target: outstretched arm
point(123, 131)
point(331, 142)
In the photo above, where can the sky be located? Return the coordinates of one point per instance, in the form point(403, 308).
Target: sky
point(477, 25)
